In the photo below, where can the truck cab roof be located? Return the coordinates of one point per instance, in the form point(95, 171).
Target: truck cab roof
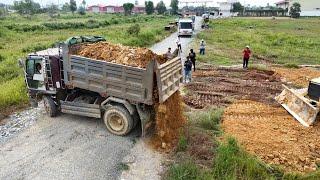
point(46, 52)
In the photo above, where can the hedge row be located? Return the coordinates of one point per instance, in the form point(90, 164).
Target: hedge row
point(74, 25)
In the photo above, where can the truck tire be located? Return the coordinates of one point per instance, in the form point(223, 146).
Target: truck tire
point(50, 106)
point(118, 120)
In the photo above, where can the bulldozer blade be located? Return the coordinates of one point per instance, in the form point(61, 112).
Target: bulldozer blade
point(301, 108)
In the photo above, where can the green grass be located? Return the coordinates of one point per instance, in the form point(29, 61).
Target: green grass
point(16, 43)
point(294, 41)
point(182, 143)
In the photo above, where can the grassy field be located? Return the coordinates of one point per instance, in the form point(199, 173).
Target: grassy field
point(281, 41)
point(229, 160)
point(20, 36)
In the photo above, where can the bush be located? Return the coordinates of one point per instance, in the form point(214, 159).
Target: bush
point(182, 143)
point(211, 120)
point(291, 65)
point(134, 29)
point(2, 58)
point(185, 171)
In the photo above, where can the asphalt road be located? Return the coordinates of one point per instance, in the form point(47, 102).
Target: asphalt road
point(34, 146)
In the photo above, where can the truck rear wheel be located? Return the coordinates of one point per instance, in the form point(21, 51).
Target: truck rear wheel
point(50, 106)
point(118, 120)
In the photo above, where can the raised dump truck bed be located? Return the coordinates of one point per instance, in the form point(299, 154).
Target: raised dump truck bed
point(115, 80)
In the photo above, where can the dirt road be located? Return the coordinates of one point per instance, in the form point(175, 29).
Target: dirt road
point(66, 147)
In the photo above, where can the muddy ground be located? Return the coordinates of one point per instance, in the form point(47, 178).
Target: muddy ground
point(221, 86)
point(252, 115)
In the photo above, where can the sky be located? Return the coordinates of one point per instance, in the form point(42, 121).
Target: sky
point(141, 2)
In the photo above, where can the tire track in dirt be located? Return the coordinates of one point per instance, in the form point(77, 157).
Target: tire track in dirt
point(221, 86)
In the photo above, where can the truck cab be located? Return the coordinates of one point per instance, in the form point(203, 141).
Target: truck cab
point(185, 27)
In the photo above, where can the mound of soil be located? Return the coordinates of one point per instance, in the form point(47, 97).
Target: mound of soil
point(169, 120)
point(274, 135)
point(116, 53)
point(300, 77)
point(220, 87)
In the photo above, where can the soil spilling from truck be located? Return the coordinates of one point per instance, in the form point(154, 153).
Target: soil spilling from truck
point(116, 53)
point(169, 120)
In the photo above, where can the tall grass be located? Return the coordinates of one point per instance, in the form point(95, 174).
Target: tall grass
point(13, 92)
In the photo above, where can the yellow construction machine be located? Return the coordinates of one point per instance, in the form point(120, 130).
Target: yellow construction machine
point(302, 104)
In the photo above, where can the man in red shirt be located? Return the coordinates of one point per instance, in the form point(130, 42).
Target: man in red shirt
point(246, 56)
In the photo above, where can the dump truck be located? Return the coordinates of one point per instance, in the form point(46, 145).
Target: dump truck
point(302, 104)
point(121, 95)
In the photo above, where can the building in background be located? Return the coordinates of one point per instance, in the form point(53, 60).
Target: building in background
point(225, 8)
point(308, 7)
point(114, 9)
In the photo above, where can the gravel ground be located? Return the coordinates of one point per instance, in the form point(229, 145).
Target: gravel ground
point(65, 147)
point(34, 146)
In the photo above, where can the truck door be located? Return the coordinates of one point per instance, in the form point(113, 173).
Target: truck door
point(35, 73)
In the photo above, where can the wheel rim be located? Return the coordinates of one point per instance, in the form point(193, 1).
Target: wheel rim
point(116, 122)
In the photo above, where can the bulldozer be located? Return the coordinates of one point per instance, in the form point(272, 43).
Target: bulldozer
point(302, 104)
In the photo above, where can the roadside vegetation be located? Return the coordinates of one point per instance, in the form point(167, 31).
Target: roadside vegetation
point(228, 159)
point(20, 35)
point(280, 41)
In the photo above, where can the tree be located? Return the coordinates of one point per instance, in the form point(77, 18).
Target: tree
point(82, 8)
point(73, 6)
point(237, 7)
point(128, 8)
point(2, 12)
point(295, 10)
point(149, 7)
point(174, 6)
point(26, 7)
point(66, 7)
point(52, 9)
point(161, 7)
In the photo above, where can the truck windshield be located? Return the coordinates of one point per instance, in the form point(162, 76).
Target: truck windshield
point(186, 25)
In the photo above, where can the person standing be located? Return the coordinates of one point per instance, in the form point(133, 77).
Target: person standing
point(178, 42)
point(187, 70)
point(246, 56)
point(192, 56)
point(202, 47)
point(169, 54)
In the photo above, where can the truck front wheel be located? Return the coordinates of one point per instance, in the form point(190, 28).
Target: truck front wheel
point(118, 120)
point(50, 106)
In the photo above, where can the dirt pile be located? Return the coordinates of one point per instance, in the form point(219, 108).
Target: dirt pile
point(220, 87)
point(116, 53)
point(273, 135)
point(300, 77)
point(169, 120)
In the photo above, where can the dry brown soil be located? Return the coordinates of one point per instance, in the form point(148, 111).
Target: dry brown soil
point(117, 53)
point(261, 125)
point(300, 77)
point(273, 135)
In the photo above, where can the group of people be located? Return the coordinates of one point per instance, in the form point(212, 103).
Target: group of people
point(191, 58)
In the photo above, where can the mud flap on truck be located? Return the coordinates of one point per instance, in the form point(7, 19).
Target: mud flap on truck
point(169, 78)
point(146, 117)
point(301, 108)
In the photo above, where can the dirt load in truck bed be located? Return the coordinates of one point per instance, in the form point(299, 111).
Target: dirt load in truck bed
point(117, 53)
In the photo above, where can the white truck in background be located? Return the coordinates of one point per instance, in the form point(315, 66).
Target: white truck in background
point(185, 27)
